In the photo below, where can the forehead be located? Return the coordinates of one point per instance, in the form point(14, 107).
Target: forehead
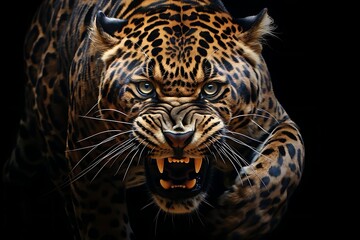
point(180, 45)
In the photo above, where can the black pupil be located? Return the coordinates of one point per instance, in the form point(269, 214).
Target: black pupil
point(210, 88)
point(147, 87)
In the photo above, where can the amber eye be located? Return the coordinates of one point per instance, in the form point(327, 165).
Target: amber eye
point(211, 89)
point(145, 88)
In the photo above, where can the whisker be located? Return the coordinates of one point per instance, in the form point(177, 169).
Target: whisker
point(156, 220)
point(209, 149)
point(131, 160)
point(236, 154)
point(247, 115)
point(243, 135)
point(111, 150)
point(220, 155)
point(103, 132)
point(237, 171)
point(244, 161)
point(246, 145)
point(263, 110)
point(125, 158)
point(148, 205)
point(91, 109)
point(207, 203)
point(95, 146)
point(106, 120)
point(111, 110)
point(222, 150)
point(198, 216)
point(263, 129)
point(144, 147)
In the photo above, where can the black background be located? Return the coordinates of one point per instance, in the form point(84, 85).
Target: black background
point(289, 62)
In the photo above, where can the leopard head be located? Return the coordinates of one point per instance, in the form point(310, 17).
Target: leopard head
point(174, 77)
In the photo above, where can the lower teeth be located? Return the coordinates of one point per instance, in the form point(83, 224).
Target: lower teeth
point(189, 184)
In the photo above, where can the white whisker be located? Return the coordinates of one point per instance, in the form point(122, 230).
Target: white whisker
point(259, 126)
point(131, 160)
point(106, 120)
point(111, 110)
point(246, 145)
point(198, 215)
point(222, 150)
point(263, 110)
point(156, 220)
point(99, 159)
point(247, 115)
point(125, 158)
point(236, 155)
point(220, 155)
point(91, 109)
point(103, 132)
point(113, 149)
point(95, 146)
point(144, 147)
point(243, 135)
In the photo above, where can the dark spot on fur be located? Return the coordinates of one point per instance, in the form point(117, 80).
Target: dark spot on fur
point(265, 181)
point(282, 150)
point(280, 160)
point(291, 150)
point(264, 203)
point(284, 184)
point(292, 167)
point(275, 171)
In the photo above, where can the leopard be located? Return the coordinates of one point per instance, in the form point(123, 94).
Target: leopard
point(155, 119)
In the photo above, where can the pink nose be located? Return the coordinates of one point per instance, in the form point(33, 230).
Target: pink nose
point(178, 140)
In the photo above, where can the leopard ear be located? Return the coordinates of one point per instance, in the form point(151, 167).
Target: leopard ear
point(109, 25)
point(104, 30)
point(255, 28)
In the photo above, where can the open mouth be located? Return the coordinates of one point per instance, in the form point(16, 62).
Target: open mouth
point(177, 179)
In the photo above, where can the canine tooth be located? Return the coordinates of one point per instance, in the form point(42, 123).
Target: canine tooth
point(160, 164)
point(165, 184)
point(190, 183)
point(197, 162)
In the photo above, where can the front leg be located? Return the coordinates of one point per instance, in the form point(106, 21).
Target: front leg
point(254, 204)
point(100, 209)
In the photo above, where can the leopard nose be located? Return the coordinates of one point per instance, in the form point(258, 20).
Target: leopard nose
point(178, 140)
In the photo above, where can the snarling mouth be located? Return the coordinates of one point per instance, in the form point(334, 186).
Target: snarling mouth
point(177, 179)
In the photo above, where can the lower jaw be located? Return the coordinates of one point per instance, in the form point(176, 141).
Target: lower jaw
point(184, 206)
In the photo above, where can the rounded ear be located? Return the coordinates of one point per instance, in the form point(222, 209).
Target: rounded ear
point(254, 28)
point(103, 34)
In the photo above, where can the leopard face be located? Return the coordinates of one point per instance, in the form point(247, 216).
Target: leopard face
point(182, 80)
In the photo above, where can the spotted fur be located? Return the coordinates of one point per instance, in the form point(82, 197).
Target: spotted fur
point(172, 97)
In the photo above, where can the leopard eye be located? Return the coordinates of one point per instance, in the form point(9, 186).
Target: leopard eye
point(210, 89)
point(145, 88)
